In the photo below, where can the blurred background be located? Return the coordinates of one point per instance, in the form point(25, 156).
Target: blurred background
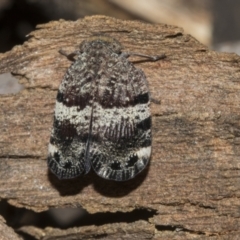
point(214, 23)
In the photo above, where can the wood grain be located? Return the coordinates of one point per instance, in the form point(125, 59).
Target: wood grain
point(193, 181)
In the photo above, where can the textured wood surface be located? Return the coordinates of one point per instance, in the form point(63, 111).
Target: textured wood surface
point(192, 185)
point(7, 233)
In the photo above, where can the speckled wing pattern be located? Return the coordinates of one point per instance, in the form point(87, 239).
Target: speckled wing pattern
point(102, 118)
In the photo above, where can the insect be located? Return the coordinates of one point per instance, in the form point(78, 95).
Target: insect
point(102, 118)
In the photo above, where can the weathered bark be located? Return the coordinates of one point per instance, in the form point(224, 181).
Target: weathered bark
point(192, 184)
point(6, 232)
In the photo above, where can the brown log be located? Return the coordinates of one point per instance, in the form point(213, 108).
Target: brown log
point(6, 232)
point(192, 184)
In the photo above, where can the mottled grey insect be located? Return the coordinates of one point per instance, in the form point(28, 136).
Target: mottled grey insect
point(102, 118)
